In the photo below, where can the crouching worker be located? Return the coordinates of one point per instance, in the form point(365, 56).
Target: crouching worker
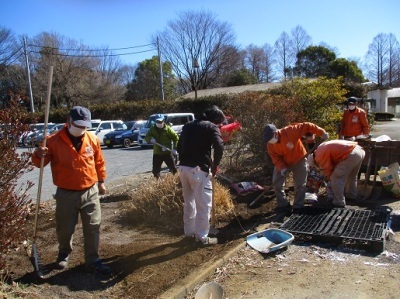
point(79, 170)
point(194, 148)
point(340, 160)
point(287, 151)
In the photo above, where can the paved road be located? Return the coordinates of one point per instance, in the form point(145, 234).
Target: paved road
point(390, 128)
point(120, 162)
point(123, 162)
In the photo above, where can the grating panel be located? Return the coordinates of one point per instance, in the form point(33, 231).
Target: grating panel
point(341, 224)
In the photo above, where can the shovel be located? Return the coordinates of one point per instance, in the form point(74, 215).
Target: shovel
point(34, 257)
point(365, 190)
point(213, 230)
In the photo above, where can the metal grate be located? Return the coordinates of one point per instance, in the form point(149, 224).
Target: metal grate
point(363, 227)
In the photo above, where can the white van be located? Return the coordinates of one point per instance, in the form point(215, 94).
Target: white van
point(102, 127)
point(175, 120)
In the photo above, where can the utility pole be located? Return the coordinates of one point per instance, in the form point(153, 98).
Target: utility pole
point(161, 71)
point(195, 65)
point(29, 77)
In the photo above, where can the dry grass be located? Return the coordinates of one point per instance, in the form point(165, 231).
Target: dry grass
point(161, 202)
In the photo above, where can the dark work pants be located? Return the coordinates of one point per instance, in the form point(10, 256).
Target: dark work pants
point(159, 159)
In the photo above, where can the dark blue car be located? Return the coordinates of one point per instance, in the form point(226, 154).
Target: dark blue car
point(126, 136)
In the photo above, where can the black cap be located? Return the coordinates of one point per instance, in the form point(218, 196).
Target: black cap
point(352, 100)
point(269, 132)
point(80, 116)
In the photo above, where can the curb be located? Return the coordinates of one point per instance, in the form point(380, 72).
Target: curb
point(186, 285)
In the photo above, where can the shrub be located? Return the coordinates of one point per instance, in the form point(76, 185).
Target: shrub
point(13, 199)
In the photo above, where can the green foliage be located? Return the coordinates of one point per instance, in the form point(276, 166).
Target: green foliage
point(347, 69)
point(314, 61)
point(241, 77)
point(146, 84)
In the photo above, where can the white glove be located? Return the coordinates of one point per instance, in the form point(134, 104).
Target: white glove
point(152, 140)
point(174, 152)
point(325, 136)
point(283, 172)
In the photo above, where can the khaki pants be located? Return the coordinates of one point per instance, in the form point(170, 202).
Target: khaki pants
point(69, 204)
point(344, 177)
point(299, 171)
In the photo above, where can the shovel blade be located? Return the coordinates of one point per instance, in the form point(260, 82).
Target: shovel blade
point(364, 191)
point(213, 231)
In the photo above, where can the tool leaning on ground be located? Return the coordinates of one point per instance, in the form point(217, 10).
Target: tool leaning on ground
point(310, 151)
point(34, 256)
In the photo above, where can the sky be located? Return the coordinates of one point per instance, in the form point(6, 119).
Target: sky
point(347, 25)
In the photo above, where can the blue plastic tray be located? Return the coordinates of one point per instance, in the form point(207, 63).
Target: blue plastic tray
point(269, 240)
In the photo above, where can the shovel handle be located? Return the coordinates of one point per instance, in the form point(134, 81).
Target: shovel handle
point(162, 146)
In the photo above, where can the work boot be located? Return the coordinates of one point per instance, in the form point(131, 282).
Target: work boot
point(98, 268)
point(62, 261)
point(284, 210)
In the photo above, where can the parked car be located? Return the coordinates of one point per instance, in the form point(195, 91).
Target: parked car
point(175, 120)
point(55, 128)
point(28, 138)
point(125, 136)
point(102, 127)
point(229, 128)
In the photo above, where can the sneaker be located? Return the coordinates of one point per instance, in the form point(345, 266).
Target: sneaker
point(208, 241)
point(62, 261)
point(98, 268)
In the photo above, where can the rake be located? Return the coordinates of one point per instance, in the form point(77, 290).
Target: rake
point(34, 257)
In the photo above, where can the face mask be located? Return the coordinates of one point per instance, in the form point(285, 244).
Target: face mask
point(160, 126)
point(273, 140)
point(352, 107)
point(74, 131)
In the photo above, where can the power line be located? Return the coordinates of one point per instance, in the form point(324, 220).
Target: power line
point(104, 55)
point(91, 50)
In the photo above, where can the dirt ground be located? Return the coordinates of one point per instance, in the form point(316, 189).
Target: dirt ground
point(148, 261)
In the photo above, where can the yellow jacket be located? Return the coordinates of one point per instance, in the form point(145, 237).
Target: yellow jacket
point(73, 170)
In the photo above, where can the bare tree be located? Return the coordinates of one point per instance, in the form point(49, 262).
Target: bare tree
point(198, 46)
point(283, 52)
point(7, 46)
point(300, 39)
point(393, 52)
point(255, 61)
point(377, 58)
point(268, 69)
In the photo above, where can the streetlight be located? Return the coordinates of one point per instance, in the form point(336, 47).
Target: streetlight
point(195, 65)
